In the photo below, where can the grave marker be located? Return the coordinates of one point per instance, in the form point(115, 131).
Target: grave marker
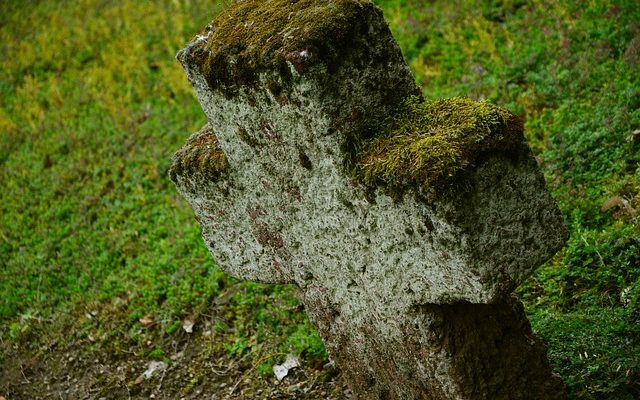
point(405, 224)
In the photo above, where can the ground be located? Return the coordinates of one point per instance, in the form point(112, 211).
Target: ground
point(86, 365)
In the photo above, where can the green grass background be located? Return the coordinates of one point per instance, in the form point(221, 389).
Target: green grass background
point(93, 104)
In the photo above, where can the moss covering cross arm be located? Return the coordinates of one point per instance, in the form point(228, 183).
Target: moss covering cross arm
point(201, 156)
point(427, 141)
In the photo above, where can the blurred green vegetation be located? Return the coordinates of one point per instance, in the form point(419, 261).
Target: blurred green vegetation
point(93, 104)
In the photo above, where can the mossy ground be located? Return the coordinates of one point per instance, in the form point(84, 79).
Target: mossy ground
point(92, 106)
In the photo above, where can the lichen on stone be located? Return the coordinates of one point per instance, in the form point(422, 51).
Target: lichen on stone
point(428, 141)
point(255, 35)
point(200, 156)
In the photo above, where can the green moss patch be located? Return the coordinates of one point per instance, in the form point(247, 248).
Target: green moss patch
point(430, 140)
point(254, 35)
point(201, 154)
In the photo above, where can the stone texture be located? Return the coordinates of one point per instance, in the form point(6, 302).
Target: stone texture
point(411, 296)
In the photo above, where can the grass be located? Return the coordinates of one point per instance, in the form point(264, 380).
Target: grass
point(93, 104)
point(93, 107)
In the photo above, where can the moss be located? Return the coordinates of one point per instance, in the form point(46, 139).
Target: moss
point(255, 35)
point(202, 155)
point(428, 141)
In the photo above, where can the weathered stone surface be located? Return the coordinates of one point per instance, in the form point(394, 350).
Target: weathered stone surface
point(388, 280)
point(458, 351)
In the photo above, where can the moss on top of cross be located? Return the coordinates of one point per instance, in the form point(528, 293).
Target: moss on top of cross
point(255, 35)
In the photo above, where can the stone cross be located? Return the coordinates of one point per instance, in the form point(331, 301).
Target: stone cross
point(405, 224)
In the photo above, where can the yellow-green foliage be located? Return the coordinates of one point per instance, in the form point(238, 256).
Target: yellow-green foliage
point(431, 140)
point(254, 34)
point(92, 106)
